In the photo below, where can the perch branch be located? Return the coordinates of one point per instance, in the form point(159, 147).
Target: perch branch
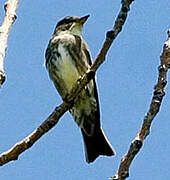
point(10, 17)
point(17, 149)
point(157, 98)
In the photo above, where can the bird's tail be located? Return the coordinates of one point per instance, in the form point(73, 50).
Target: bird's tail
point(96, 145)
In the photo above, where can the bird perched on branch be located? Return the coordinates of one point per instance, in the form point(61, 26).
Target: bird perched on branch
point(68, 58)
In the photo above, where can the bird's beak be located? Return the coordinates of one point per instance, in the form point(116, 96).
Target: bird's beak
point(83, 19)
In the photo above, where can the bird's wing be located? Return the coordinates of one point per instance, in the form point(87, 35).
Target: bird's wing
point(88, 57)
point(80, 53)
point(86, 51)
point(51, 50)
point(75, 50)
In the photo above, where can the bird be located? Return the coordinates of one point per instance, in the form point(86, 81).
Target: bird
point(67, 59)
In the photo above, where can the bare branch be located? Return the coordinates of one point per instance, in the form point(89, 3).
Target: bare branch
point(51, 121)
point(18, 148)
point(10, 16)
point(158, 94)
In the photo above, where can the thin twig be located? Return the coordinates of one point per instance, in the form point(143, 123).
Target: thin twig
point(158, 95)
point(10, 17)
point(52, 120)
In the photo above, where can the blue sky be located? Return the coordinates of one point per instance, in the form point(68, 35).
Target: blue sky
point(125, 84)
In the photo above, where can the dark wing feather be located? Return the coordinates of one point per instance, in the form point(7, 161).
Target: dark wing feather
point(77, 55)
point(88, 57)
point(80, 54)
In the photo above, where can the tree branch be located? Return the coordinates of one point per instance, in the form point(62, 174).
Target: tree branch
point(158, 94)
point(17, 149)
point(10, 17)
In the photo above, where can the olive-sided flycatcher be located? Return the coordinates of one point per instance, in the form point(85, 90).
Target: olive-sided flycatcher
point(68, 58)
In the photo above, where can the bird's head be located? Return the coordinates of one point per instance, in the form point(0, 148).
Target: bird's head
point(72, 24)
